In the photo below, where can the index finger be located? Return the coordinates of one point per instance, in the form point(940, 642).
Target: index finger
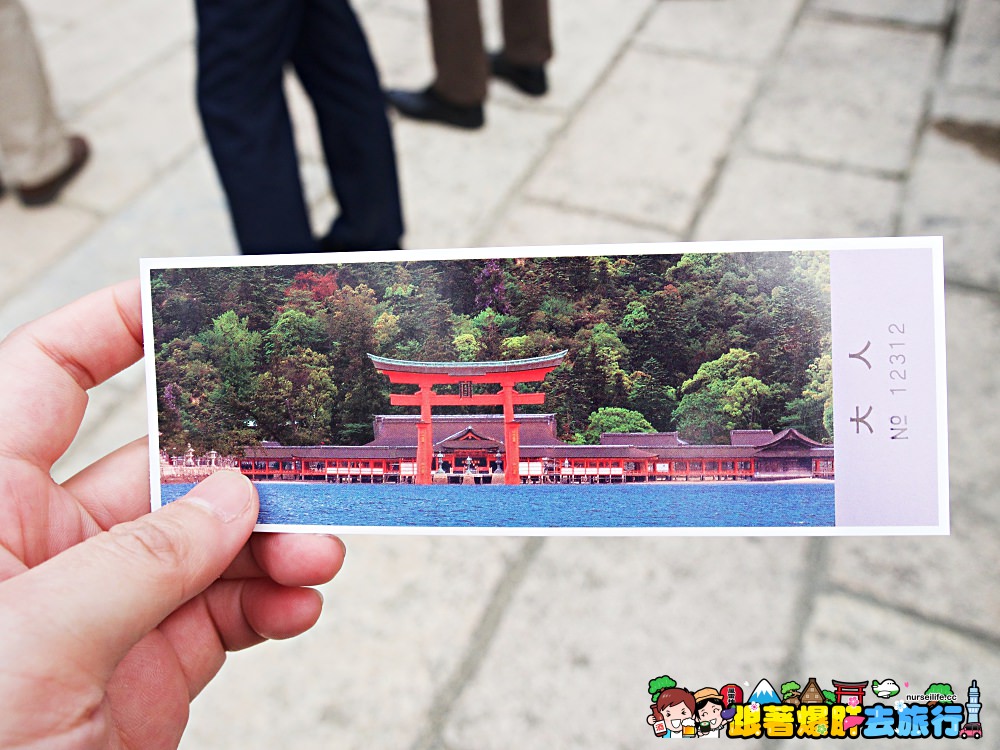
point(47, 366)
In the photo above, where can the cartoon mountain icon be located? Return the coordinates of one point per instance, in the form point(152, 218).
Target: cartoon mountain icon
point(764, 694)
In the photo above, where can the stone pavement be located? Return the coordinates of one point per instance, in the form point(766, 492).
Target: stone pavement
point(669, 119)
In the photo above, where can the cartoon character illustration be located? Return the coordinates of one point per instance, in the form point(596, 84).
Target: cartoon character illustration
point(886, 688)
point(672, 712)
point(711, 713)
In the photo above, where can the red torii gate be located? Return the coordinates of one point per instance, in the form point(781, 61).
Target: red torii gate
point(506, 374)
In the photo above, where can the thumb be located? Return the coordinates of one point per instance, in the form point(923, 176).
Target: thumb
point(90, 604)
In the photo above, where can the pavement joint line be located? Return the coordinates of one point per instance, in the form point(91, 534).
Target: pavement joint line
point(971, 287)
point(654, 48)
point(391, 10)
point(896, 24)
point(599, 213)
point(977, 91)
point(116, 88)
point(478, 645)
point(978, 516)
point(815, 560)
point(925, 120)
point(569, 117)
point(894, 175)
point(737, 142)
point(971, 632)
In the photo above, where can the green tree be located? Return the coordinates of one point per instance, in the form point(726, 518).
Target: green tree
point(723, 395)
point(293, 330)
point(812, 412)
point(234, 350)
point(614, 419)
point(787, 688)
point(652, 396)
point(658, 684)
point(293, 398)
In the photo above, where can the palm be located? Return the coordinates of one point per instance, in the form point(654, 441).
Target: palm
point(43, 519)
point(142, 700)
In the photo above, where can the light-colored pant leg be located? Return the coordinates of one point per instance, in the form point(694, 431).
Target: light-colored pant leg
point(32, 139)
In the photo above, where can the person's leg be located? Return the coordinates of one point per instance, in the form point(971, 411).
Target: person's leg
point(459, 58)
point(527, 46)
point(456, 97)
point(243, 46)
point(34, 144)
point(332, 59)
point(527, 34)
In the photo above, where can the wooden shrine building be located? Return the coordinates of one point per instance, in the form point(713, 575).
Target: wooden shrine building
point(474, 444)
point(517, 448)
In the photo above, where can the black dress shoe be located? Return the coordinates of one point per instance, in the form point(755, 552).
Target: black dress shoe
point(48, 191)
point(429, 106)
point(528, 79)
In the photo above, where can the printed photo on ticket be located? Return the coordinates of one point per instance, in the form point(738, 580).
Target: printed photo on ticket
point(763, 387)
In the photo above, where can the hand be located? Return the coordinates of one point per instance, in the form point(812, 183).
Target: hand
point(111, 618)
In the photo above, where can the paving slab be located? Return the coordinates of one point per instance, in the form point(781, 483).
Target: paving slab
point(952, 192)
point(975, 60)
point(116, 415)
point(397, 620)
point(973, 324)
point(453, 182)
point(762, 197)
point(68, 15)
point(400, 44)
point(33, 239)
point(587, 38)
point(157, 106)
point(671, 120)
point(536, 223)
point(731, 30)
point(108, 48)
point(596, 619)
point(847, 95)
point(920, 12)
point(964, 106)
point(183, 213)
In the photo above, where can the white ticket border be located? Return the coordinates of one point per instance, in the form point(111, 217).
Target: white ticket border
point(931, 245)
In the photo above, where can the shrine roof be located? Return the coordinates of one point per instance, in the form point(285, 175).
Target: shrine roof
point(790, 437)
point(751, 437)
point(458, 369)
point(393, 430)
point(650, 440)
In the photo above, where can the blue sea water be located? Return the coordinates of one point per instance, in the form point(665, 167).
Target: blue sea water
point(655, 504)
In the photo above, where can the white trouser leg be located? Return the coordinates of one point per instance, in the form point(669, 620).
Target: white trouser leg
point(32, 139)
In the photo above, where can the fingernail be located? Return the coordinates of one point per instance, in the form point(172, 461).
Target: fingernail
point(343, 547)
point(225, 494)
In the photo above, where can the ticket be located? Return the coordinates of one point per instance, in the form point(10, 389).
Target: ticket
point(777, 387)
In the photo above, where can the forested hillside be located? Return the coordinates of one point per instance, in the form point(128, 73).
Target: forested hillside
point(701, 343)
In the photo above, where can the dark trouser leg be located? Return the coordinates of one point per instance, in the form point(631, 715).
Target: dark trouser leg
point(242, 49)
point(335, 66)
point(459, 57)
point(527, 34)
